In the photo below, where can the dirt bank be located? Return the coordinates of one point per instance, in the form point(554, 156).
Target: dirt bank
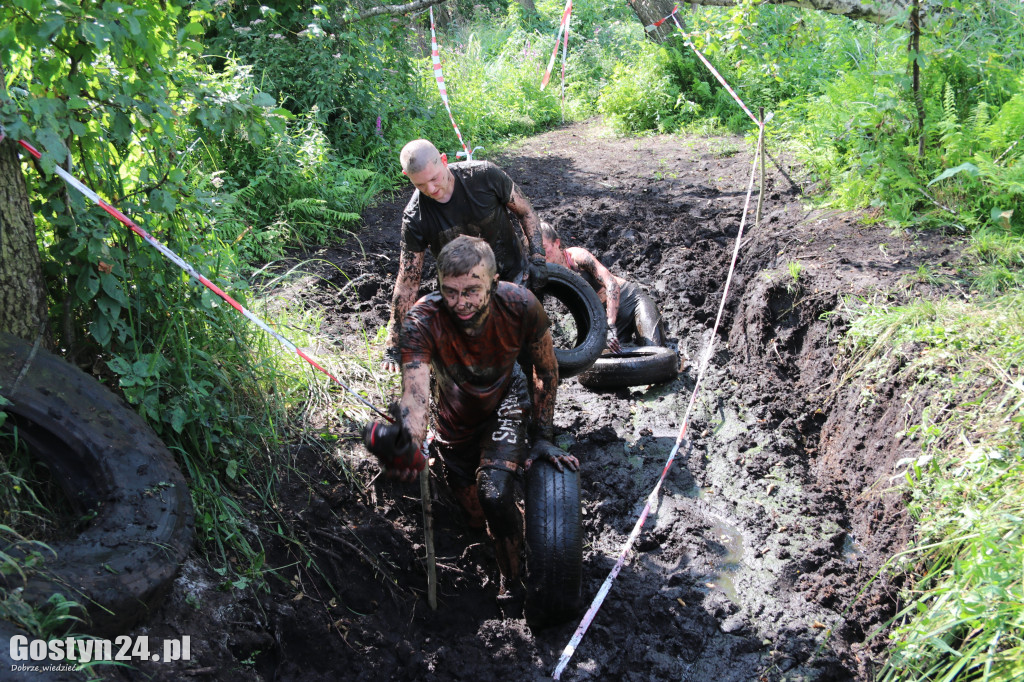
point(757, 560)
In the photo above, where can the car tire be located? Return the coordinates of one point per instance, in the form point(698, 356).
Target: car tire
point(116, 472)
point(588, 315)
point(554, 540)
point(632, 367)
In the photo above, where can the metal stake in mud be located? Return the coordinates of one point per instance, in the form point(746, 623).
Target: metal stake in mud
point(428, 536)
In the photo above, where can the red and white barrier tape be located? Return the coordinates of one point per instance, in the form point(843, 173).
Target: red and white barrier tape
point(191, 271)
point(650, 27)
point(563, 29)
point(588, 618)
point(435, 57)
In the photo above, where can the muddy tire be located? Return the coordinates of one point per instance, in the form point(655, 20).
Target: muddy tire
point(115, 471)
point(588, 315)
point(554, 538)
point(632, 367)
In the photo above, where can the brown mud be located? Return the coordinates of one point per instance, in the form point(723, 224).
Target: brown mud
point(758, 559)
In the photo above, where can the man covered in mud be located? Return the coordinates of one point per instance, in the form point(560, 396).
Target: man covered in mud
point(474, 198)
point(470, 333)
point(632, 314)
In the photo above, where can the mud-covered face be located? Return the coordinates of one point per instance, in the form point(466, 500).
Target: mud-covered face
point(436, 181)
point(553, 251)
point(468, 296)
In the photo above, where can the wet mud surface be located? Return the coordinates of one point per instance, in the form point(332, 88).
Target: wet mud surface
point(758, 557)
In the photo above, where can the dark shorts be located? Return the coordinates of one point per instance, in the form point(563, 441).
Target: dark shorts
point(500, 443)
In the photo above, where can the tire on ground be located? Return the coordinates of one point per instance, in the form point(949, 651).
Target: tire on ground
point(554, 540)
point(632, 367)
point(114, 470)
point(588, 314)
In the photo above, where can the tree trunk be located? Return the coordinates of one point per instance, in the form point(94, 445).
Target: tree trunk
point(528, 5)
point(23, 307)
point(651, 11)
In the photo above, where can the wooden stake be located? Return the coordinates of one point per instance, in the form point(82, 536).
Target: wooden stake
point(428, 536)
point(760, 150)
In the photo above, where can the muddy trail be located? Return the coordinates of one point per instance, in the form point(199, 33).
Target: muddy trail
point(756, 562)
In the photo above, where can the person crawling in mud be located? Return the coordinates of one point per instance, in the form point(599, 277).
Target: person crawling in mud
point(487, 430)
point(632, 314)
point(474, 198)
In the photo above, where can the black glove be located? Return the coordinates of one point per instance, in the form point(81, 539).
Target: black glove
point(544, 449)
point(394, 447)
point(538, 272)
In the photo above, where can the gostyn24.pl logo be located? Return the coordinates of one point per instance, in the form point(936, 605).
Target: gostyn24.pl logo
point(84, 650)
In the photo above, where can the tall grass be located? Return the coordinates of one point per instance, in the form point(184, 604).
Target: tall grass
point(963, 617)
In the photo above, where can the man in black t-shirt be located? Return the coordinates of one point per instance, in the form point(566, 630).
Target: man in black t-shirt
point(474, 198)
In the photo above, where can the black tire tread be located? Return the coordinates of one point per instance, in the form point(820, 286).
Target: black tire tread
point(554, 538)
point(107, 459)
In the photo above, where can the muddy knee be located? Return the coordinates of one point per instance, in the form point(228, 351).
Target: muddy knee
point(498, 491)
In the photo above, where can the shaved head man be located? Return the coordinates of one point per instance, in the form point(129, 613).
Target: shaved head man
point(473, 198)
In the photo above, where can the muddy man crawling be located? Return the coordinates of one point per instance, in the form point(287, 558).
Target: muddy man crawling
point(470, 333)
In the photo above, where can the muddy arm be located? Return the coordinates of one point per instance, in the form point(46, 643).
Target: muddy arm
point(545, 383)
point(589, 264)
point(415, 398)
point(521, 206)
point(410, 268)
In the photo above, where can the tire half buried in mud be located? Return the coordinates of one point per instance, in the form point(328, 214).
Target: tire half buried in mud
point(632, 367)
point(554, 538)
point(112, 467)
point(588, 315)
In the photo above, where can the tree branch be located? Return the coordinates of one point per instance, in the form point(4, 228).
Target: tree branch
point(391, 10)
point(863, 10)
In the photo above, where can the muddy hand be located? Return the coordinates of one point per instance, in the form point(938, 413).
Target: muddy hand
point(390, 362)
point(613, 340)
point(545, 449)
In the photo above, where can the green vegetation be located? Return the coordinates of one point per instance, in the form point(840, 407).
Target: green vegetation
point(964, 610)
point(234, 131)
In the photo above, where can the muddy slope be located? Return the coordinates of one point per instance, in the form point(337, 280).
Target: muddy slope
point(774, 517)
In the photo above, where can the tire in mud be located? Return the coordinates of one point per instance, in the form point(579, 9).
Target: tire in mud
point(588, 315)
point(114, 471)
point(554, 540)
point(632, 367)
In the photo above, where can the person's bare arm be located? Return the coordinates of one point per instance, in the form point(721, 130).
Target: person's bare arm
point(415, 398)
point(407, 285)
point(610, 283)
point(545, 388)
point(521, 207)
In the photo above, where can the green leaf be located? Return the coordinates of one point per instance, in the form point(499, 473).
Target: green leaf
point(50, 27)
point(163, 201)
point(232, 469)
point(101, 330)
point(112, 288)
point(968, 168)
point(178, 419)
point(110, 308)
point(87, 284)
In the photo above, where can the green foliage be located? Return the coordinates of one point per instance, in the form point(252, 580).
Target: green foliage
point(964, 614)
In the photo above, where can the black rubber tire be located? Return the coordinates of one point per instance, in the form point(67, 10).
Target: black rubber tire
point(109, 462)
point(587, 312)
point(632, 367)
point(554, 540)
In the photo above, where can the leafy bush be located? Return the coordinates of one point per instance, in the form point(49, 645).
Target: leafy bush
point(641, 95)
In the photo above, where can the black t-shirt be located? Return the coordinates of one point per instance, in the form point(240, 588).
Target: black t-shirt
point(478, 208)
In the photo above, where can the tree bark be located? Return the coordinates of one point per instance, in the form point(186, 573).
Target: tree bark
point(23, 306)
point(652, 11)
point(391, 10)
point(880, 12)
